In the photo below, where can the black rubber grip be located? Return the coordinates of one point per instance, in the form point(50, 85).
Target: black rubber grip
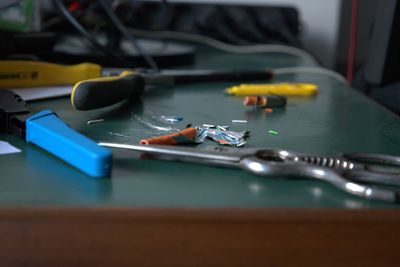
point(106, 91)
point(228, 76)
point(276, 101)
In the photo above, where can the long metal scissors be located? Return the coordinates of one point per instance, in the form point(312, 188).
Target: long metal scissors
point(353, 172)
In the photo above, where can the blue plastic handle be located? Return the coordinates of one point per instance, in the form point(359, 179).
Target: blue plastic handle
point(47, 131)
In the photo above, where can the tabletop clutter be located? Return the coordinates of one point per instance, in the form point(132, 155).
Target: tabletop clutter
point(92, 85)
point(350, 174)
point(218, 133)
point(97, 87)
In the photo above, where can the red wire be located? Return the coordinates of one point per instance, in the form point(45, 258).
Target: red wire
point(352, 41)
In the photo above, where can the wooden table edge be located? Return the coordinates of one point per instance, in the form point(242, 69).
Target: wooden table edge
point(124, 236)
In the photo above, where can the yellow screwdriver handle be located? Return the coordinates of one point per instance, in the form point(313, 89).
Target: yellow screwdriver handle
point(21, 73)
point(294, 89)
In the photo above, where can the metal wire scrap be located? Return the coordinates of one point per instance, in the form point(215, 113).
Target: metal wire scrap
point(222, 136)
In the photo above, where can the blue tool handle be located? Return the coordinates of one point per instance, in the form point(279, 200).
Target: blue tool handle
point(47, 131)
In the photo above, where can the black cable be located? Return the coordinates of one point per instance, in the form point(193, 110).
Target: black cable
point(115, 20)
point(164, 15)
point(63, 9)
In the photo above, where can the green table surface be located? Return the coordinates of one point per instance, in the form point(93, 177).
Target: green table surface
point(338, 119)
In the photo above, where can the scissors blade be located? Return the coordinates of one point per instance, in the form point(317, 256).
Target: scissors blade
point(374, 168)
point(219, 156)
point(254, 160)
point(374, 158)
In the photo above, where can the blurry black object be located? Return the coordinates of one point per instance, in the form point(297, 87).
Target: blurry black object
point(386, 95)
point(383, 61)
point(110, 49)
point(72, 48)
point(380, 77)
point(124, 32)
point(25, 43)
point(389, 96)
point(234, 24)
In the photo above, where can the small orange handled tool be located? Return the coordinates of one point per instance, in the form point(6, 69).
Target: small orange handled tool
point(172, 139)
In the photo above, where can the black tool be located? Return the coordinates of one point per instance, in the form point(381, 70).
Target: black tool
point(105, 91)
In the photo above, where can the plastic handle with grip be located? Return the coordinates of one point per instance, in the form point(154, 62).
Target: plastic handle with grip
point(22, 73)
point(230, 76)
point(289, 89)
point(47, 131)
point(105, 91)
